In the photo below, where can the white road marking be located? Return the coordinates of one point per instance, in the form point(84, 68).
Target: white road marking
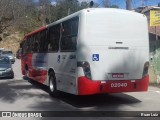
point(158, 91)
point(154, 91)
point(88, 108)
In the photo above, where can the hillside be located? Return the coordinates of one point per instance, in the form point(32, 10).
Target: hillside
point(11, 41)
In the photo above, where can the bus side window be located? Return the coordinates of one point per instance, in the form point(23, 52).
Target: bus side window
point(74, 26)
point(25, 46)
point(69, 35)
point(33, 40)
point(34, 43)
point(54, 36)
point(46, 41)
point(42, 41)
point(31, 43)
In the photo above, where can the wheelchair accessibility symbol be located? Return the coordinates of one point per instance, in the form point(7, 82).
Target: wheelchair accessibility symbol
point(95, 57)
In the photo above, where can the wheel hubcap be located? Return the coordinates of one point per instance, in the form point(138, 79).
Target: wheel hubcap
point(51, 86)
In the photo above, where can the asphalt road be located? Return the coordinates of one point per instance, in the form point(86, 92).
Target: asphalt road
point(20, 95)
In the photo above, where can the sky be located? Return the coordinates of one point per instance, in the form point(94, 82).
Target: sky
point(135, 3)
point(122, 3)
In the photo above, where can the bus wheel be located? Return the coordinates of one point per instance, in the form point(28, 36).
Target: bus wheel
point(26, 75)
point(52, 85)
point(26, 72)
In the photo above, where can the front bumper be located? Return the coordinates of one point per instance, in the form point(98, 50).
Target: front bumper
point(4, 74)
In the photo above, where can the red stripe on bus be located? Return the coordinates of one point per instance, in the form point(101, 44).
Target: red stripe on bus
point(36, 31)
point(89, 87)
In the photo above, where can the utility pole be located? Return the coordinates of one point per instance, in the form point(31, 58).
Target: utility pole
point(128, 4)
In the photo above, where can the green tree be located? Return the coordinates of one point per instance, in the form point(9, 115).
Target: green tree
point(27, 15)
point(114, 6)
point(84, 5)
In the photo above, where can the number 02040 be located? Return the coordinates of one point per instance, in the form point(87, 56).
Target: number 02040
point(118, 84)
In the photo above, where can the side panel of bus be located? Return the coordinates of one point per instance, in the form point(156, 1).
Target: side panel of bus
point(64, 66)
point(63, 60)
point(39, 67)
point(28, 49)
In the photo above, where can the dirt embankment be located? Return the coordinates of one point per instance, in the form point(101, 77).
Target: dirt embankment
point(11, 41)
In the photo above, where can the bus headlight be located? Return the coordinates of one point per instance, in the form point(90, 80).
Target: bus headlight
point(86, 69)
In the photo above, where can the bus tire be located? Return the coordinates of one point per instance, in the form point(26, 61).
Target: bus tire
point(52, 85)
point(26, 73)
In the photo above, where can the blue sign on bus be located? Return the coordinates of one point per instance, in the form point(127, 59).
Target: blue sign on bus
point(95, 57)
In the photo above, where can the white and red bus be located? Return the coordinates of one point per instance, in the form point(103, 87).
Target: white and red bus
point(93, 51)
